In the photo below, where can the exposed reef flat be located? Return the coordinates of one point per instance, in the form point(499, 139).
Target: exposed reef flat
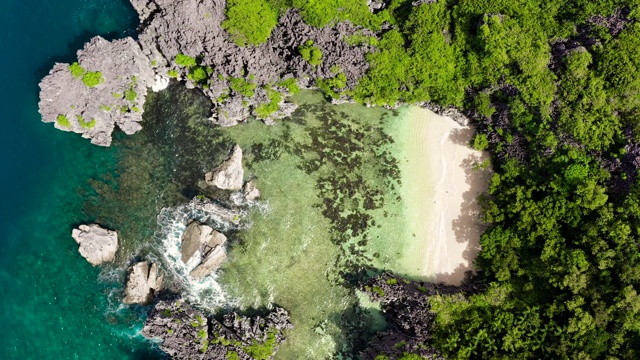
point(185, 40)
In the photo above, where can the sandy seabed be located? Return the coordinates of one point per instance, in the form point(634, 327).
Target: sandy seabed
point(440, 186)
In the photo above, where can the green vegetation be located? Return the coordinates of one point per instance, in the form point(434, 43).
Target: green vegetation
point(262, 351)
point(358, 39)
point(185, 60)
point(85, 124)
point(92, 78)
point(63, 121)
point(198, 74)
point(232, 355)
point(76, 70)
point(480, 142)
point(559, 259)
point(116, 95)
point(291, 84)
point(333, 86)
point(105, 107)
point(264, 110)
point(250, 22)
point(130, 95)
point(310, 53)
point(195, 73)
point(392, 281)
point(243, 87)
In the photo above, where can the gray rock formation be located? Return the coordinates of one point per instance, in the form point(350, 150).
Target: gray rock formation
point(217, 212)
point(97, 245)
point(204, 245)
point(124, 73)
point(229, 175)
point(193, 28)
point(143, 281)
point(250, 191)
point(187, 334)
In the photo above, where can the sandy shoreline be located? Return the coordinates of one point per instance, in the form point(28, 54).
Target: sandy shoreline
point(440, 187)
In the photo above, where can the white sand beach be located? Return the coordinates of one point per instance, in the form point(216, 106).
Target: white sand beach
point(440, 188)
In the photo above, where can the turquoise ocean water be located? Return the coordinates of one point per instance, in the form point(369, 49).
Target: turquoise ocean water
point(53, 304)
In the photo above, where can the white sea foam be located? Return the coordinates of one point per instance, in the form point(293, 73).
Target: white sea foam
point(207, 292)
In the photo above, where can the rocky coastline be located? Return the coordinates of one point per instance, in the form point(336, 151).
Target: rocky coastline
point(184, 41)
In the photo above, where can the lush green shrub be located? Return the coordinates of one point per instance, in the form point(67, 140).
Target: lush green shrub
point(173, 73)
point(333, 86)
point(250, 22)
point(310, 53)
point(243, 87)
point(291, 84)
point(63, 121)
point(185, 60)
point(86, 124)
point(76, 70)
point(130, 95)
point(92, 78)
point(262, 351)
point(198, 74)
point(480, 142)
point(264, 110)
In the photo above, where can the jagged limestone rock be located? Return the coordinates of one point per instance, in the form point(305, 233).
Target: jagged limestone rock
point(250, 191)
point(143, 281)
point(97, 245)
point(184, 331)
point(193, 28)
point(229, 175)
point(121, 75)
point(204, 244)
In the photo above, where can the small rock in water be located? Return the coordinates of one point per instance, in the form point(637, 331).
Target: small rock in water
point(97, 245)
point(250, 191)
point(142, 283)
point(229, 175)
point(207, 244)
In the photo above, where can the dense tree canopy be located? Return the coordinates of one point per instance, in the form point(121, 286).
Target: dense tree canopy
point(554, 89)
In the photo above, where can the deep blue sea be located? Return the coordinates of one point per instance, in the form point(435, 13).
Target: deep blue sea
point(53, 305)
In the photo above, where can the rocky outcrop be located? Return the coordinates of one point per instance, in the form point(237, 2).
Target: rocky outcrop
point(193, 28)
point(204, 246)
point(228, 175)
point(108, 87)
point(143, 281)
point(97, 245)
point(406, 307)
point(187, 334)
point(250, 191)
point(217, 212)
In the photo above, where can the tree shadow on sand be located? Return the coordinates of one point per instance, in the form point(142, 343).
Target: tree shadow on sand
point(468, 226)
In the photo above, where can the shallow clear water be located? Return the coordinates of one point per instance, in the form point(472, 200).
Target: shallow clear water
point(332, 213)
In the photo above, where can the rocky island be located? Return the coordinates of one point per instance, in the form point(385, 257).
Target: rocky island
point(551, 89)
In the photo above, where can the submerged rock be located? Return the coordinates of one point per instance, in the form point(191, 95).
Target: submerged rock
point(143, 281)
point(204, 244)
point(229, 175)
point(187, 333)
point(97, 245)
